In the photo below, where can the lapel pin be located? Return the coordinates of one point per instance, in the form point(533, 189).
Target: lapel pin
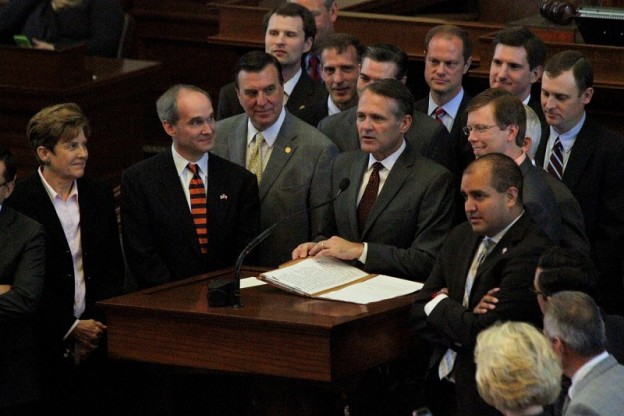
point(288, 150)
point(504, 250)
point(223, 196)
point(302, 107)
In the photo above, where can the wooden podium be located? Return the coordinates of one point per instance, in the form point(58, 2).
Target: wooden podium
point(275, 333)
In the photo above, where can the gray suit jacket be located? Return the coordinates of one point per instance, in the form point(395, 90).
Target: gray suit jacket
point(22, 265)
point(296, 177)
point(600, 392)
point(429, 138)
point(409, 220)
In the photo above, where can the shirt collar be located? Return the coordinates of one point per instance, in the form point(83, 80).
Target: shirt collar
point(496, 238)
point(451, 108)
point(388, 162)
point(52, 193)
point(584, 370)
point(289, 85)
point(270, 134)
point(526, 100)
point(568, 138)
point(331, 107)
point(181, 163)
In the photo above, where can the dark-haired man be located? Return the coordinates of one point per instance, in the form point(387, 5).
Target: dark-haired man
point(289, 31)
point(291, 159)
point(497, 248)
point(587, 157)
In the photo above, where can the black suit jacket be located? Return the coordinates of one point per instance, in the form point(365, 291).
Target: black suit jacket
point(595, 175)
point(509, 266)
point(429, 138)
point(409, 219)
point(159, 235)
point(313, 113)
point(101, 252)
point(305, 93)
point(22, 265)
point(459, 144)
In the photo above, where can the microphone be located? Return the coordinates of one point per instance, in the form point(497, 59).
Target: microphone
point(225, 292)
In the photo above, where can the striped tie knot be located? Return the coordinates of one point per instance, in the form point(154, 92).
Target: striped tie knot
point(555, 163)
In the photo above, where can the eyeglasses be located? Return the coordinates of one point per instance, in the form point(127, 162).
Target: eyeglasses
point(5, 184)
point(538, 292)
point(478, 128)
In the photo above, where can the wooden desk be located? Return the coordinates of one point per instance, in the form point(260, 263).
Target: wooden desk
point(275, 333)
point(116, 95)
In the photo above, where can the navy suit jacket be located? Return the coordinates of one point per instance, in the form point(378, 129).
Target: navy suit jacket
point(22, 265)
point(409, 220)
point(460, 146)
point(510, 266)
point(296, 177)
point(305, 93)
point(595, 174)
point(101, 251)
point(159, 235)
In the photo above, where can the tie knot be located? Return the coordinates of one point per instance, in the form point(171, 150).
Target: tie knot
point(488, 243)
point(557, 143)
point(377, 166)
point(193, 168)
point(439, 112)
point(259, 139)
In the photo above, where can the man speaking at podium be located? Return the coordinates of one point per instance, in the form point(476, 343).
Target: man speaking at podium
point(396, 213)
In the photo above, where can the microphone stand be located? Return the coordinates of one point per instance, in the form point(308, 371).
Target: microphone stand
point(223, 292)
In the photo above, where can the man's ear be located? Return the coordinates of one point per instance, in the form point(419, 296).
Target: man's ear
point(512, 196)
point(536, 73)
point(168, 128)
point(467, 65)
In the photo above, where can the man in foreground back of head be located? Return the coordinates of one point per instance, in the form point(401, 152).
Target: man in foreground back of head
point(573, 324)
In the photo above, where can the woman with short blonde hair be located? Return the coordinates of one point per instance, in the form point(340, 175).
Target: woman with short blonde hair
point(517, 369)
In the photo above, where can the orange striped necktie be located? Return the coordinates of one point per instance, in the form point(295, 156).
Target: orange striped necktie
point(199, 207)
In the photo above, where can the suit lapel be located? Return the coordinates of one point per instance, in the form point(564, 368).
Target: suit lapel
point(237, 142)
point(172, 197)
point(284, 148)
point(39, 197)
point(356, 175)
point(87, 213)
point(505, 245)
point(395, 180)
point(581, 152)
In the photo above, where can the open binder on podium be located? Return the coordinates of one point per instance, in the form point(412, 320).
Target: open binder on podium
point(333, 279)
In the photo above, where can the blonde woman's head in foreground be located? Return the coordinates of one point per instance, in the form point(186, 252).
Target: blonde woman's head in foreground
point(517, 369)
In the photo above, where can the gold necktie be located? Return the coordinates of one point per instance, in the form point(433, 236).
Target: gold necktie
point(255, 156)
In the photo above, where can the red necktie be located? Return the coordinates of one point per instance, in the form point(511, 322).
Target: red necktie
point(439, 113)
point(199, 207)
point(313, 69)
point(555, 163)
point(369, 196)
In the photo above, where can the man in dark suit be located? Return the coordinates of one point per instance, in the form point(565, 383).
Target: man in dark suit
point(22, 272)
point(576, 331)
point(502, 118)
point(291, 159)
point(325, 13)
point(159, 231)
point(517, 65)
point(84, 262)
point(413, 210)
point(448, 56)
point(497, 248)
point(588, 159)
point(340, 67)
point(289, 31)
point(383, 61)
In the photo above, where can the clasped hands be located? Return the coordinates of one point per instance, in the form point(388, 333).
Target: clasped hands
point(335, 247)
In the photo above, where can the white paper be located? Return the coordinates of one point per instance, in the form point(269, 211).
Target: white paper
point(250, 282)
point(378, 288)
point(315, 275)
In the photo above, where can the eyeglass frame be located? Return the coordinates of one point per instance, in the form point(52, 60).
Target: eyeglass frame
point(480, 128)
point(6, 183)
